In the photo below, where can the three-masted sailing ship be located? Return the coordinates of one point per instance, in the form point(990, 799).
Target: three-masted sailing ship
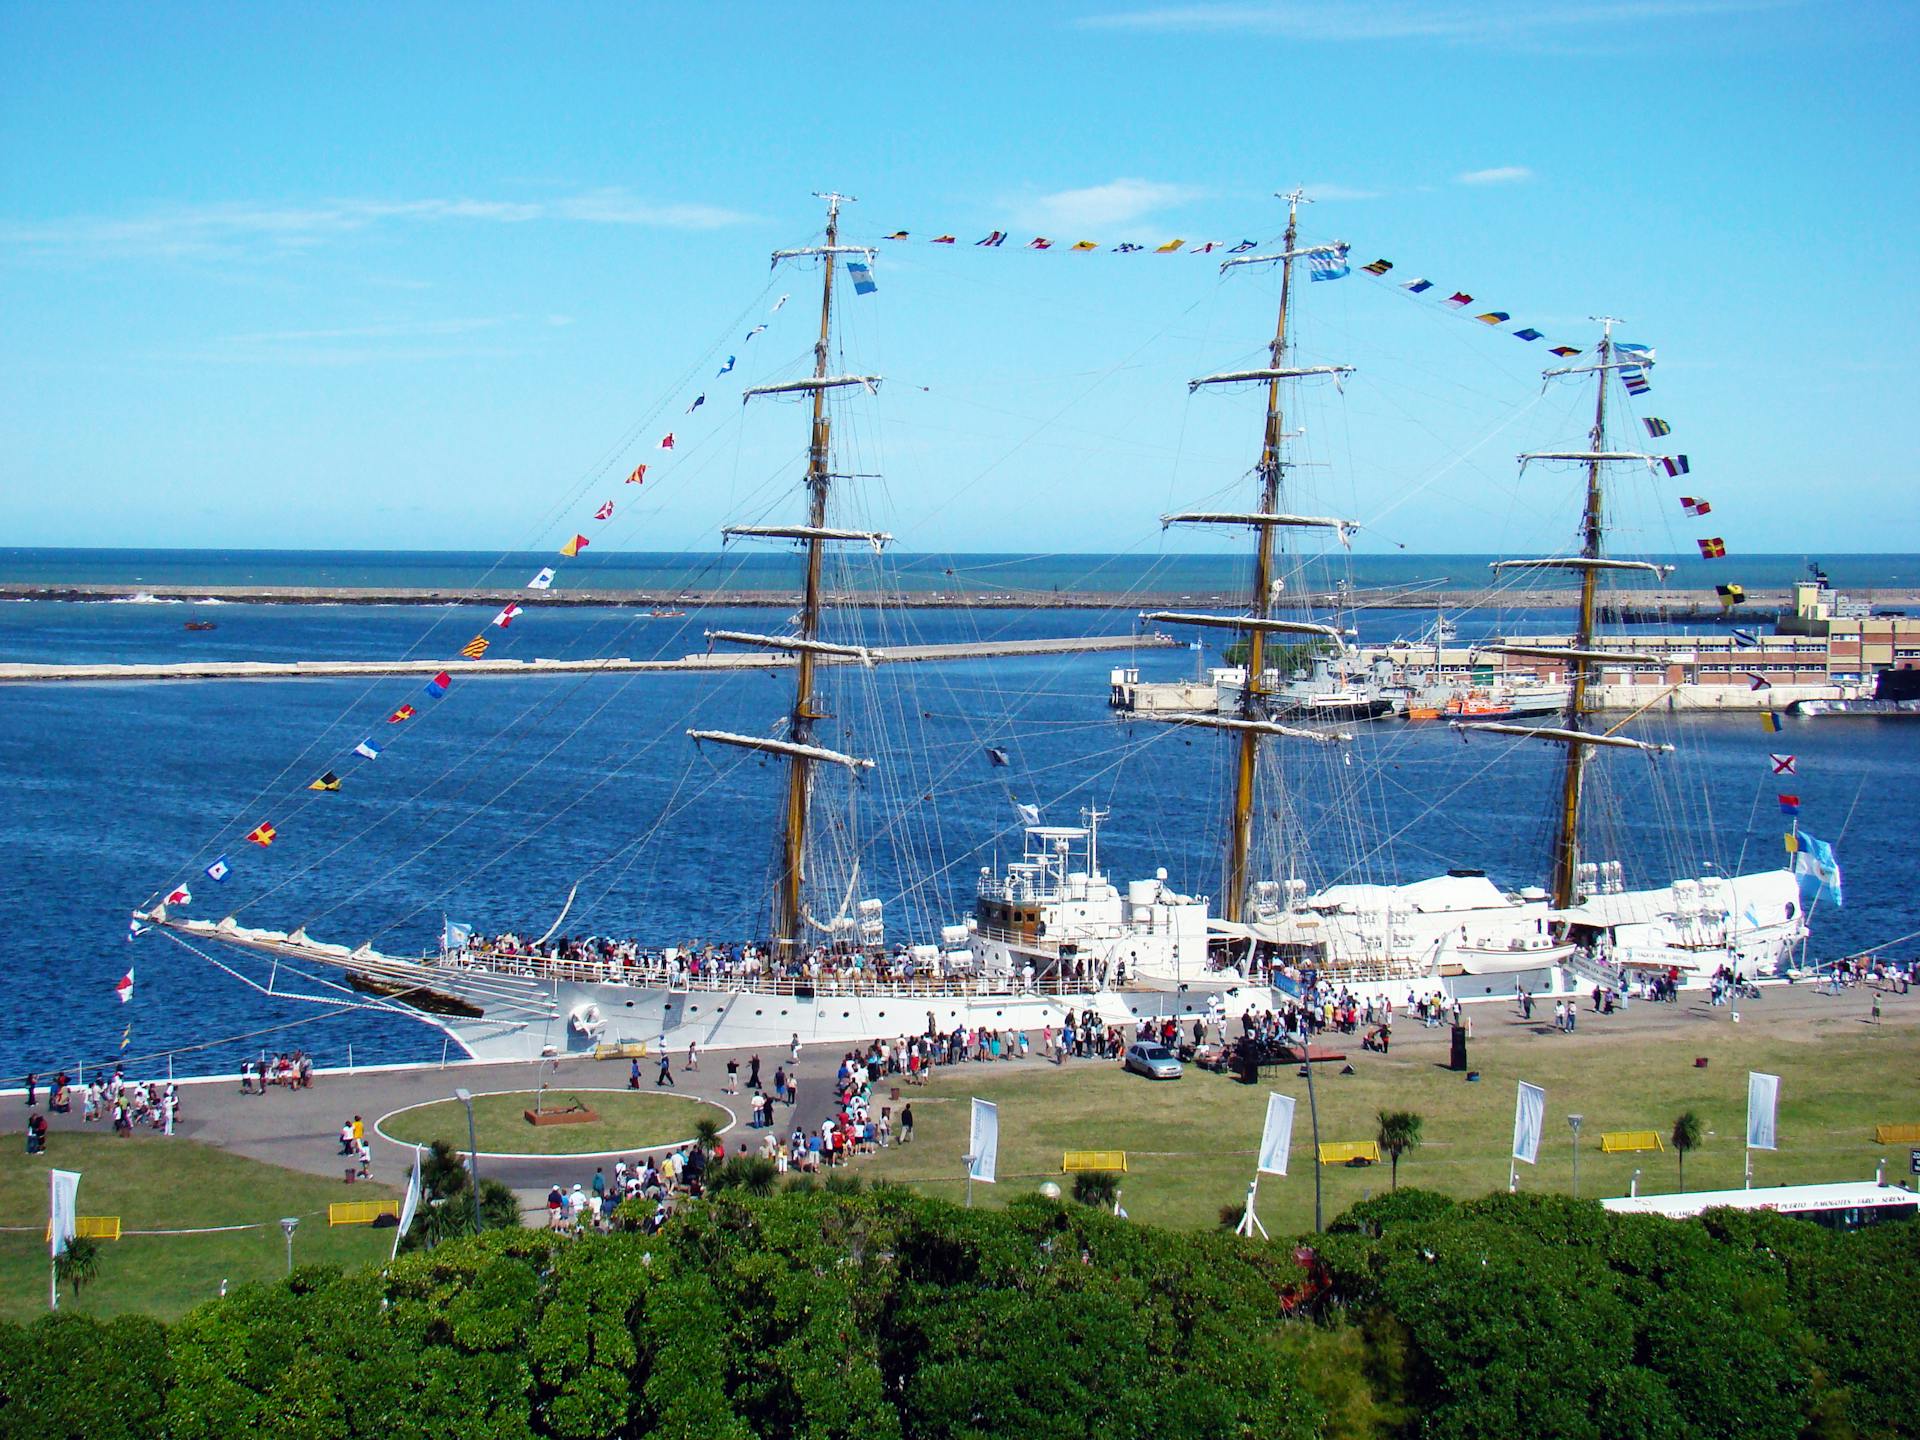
point(1050, 934)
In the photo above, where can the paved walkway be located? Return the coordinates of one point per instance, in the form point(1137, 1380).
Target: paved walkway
point(300, 1129)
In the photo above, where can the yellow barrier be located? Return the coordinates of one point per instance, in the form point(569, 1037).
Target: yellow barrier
point(361, 1212)
point(1626, 1142)
point(91, 1227)
point(1094, 1160)
point(634, 1050)
point(1896, 1134)
point(1348, 1152)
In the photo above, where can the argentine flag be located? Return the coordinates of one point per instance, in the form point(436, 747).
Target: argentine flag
point(1817, 869)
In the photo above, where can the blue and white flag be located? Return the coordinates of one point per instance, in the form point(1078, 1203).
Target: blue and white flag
point(698, 401)
point(861, 274)
point(753, 332)
point(983, 1142)
point(1817, 869)
point(218, 870)
point(455, 935)
point(1763, 1111)
point(725, 368)
point(63, 1195)
point(366, 749)
point(1328, 267)
point(1276, 1137)
point(1529, 1116)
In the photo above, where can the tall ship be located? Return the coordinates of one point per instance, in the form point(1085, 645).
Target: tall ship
point(1051, 934)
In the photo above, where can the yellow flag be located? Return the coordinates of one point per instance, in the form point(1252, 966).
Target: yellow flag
point(574, 546)
point(1086, 245)
point(328, 781)
point(1169, 247)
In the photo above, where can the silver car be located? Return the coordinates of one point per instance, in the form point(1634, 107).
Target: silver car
point(1156, 1062)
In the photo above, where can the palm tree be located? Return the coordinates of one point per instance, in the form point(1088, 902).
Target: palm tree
point(706, 1130)
point(1399, 1132)
point(78, 1263)
point(1687, 1131)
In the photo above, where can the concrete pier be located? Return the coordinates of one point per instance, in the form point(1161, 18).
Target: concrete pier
point(728, 660)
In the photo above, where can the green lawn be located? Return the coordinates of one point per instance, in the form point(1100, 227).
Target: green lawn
point(151, 1183)
point(629, 1120)
point(1190, 1142)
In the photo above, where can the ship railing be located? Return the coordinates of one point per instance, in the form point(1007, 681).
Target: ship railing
point(682, 980)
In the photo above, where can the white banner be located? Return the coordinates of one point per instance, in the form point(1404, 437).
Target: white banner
point(64, 1196)
point(983, 1143)
point(411, 1204)
point(1763, 1105)
point(1277, 1138)
point(1529, 1114)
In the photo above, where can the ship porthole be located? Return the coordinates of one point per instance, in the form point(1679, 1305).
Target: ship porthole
point(629, 1004)
point(762, 1012)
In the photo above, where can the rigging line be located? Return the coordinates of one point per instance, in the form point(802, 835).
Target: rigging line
point(632, 757)
point(1071, 404)
point(301, 760)
point(540, 705)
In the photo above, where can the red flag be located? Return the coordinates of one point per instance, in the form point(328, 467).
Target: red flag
point(182, 896)
point(666, 441)
point(263, 834)
point(605, 512)
point(505, 617)
point(405, 712)
point(639, 474)
point(125, 988)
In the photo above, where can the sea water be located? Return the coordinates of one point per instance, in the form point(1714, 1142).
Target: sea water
point(493, 803)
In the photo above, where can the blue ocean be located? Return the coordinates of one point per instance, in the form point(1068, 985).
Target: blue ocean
point(492, 804)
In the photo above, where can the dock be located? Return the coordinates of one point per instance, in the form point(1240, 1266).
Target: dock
point(731, 660)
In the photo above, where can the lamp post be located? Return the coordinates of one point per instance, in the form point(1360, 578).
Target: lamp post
point(1633, 1185)
point(1574, 1121)
point(465, 1097)
point(289, 1224)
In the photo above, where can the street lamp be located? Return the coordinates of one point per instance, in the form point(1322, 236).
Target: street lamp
point(289, 1224)
point(1574, 1121)
point(465, 1097)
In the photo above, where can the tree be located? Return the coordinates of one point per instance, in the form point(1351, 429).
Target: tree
point(79, 1263)
point(1399, 1132)
point(707, 1130)
point(1096, 1188)
point(1687, 1132)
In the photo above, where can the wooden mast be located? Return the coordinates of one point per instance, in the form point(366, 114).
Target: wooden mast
point(788, 918)
point(1566, 848)
point(1247, 749)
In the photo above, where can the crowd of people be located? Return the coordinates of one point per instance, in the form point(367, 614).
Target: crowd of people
point(126, 1105)
point(830, 969)
point(292, 1070)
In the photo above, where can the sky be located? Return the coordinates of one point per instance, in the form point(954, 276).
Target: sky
point(424, 276)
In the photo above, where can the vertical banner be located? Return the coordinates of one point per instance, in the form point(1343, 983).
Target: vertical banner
point(1277, 1138)
point(1763, 1104)
point(410, 1205)
point(64, 1196)
point(983, 1143)
point(1529, 1114)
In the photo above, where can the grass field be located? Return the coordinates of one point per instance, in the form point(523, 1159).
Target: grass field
point(1191, 1142)
point(629, 1120)
point(155, 1183)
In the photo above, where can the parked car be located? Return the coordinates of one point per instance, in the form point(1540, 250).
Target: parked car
point(1156, 1062)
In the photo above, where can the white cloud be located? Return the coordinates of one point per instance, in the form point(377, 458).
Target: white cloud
point(1493, 21)
point(1118, 202)
point(1498, 175)
point(227, 229)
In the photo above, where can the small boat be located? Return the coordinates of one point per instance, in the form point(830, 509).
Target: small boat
point(666, 614)
point(202, 625)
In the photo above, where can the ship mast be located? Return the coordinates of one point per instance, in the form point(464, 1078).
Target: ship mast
point(1582, 656)
point(1566, 844)
point(789, 915)
point(1252, 726)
